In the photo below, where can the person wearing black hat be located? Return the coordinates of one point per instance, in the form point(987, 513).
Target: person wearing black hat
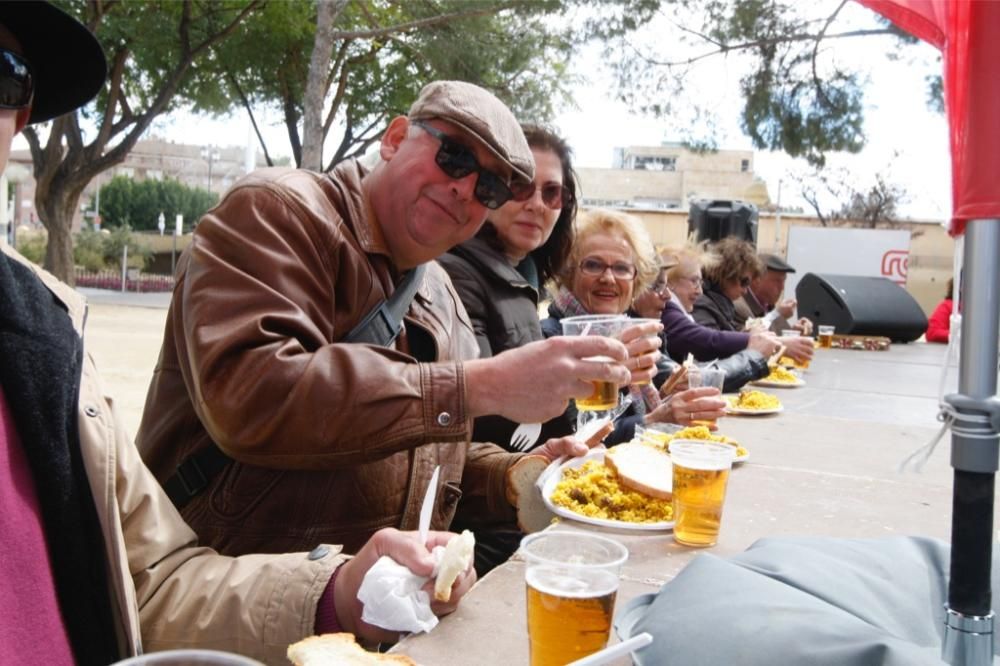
point(764, 297)
point(95, 563)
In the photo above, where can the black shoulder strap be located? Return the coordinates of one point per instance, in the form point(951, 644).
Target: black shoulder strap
point(379, 327)
point(382, 325)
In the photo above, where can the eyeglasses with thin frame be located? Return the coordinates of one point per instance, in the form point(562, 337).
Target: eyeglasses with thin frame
point(595, 268)
point(554, 195)
point(457, 161)
point(16, 83)
point(744, 282)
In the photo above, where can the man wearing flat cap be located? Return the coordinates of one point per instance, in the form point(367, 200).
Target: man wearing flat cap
point(95, 563)
point(764, 296)
point(270, 425)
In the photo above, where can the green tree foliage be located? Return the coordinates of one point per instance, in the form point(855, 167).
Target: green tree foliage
point(32, 247)
point(797, 97)
point(100, 250)
point(138, 204)
point(383, 53)
point(155, 50)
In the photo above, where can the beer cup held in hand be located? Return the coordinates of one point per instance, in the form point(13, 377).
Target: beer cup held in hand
point(701, 472)
point(605, 395)
point(572, 581)
point(826, 337)
point(706, 376)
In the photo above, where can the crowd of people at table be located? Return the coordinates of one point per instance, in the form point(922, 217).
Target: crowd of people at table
point(275, 461)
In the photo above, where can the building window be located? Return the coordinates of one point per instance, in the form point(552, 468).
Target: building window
point(649, 163)
point(744, 165)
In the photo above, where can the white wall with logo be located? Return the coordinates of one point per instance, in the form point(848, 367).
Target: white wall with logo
point(865, 252)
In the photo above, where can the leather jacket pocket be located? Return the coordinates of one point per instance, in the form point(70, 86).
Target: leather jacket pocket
point(241, 488)
point(450, 494)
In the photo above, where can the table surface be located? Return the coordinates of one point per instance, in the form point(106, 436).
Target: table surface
point(827, 465)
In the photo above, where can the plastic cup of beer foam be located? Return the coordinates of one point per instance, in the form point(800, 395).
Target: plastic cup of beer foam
point(605, 394)
point(826, 336)
point(571, 580)
point(700, 477)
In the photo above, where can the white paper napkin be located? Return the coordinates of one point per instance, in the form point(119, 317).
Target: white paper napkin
point(393, 599)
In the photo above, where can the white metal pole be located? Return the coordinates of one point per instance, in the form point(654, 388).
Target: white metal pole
point(124, 264)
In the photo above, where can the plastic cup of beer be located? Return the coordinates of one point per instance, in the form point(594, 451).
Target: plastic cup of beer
point(700, 475)
point(706, 376)
point(605, 395)
point(826, 337)
point(572, 581)
point(186, 657)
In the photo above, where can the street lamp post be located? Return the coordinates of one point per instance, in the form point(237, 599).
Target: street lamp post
point(210, 154)
point(178, 227)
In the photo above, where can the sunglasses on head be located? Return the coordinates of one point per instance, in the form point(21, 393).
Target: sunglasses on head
point(554, 195)
point(457, 161)
point(16, 84)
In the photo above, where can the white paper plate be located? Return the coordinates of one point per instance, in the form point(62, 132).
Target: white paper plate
point(742, 411)
point(551, 477)
point(773, 384)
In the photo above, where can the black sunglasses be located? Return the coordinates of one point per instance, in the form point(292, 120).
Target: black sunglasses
point(16, 83)
point(457, 161)
point(744, 282)
point(554, 195)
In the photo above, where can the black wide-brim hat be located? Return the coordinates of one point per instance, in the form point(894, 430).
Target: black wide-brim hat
point(67, 62)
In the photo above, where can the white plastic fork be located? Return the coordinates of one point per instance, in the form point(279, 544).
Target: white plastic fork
point(525, 436)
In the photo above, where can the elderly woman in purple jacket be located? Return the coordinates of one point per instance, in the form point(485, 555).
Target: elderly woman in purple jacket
point(742, 354)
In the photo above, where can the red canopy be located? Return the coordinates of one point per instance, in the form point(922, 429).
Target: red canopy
point(968, 34)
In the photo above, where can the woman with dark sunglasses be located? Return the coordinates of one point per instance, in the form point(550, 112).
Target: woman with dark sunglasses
point(728, 273)
point(499, 274)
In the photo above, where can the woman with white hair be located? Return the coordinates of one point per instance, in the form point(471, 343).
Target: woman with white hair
point(611, 254)
point(743, 355)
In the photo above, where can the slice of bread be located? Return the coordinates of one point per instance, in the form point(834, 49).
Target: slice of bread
point(340, 649)
point(532, 514)
point(642, 468)
point(523, 494)
point(456, 559)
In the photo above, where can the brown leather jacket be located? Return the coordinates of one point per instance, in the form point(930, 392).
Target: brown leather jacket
point(332, 441)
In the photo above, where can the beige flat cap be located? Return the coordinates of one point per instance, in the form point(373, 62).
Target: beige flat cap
point(483, 116)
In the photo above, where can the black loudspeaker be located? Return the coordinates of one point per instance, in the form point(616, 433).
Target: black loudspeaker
point(712, 220)
point(858, 305)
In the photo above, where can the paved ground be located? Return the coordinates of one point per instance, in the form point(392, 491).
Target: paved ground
point(125, 342)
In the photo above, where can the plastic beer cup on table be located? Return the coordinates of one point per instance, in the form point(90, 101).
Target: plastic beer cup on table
point(188, 657)
point(605, 395)
point(571, 580)
point(826, 337)
point(700, 476)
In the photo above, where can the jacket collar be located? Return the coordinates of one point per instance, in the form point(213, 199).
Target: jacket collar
point(756, 308)
point(479, 251)
point(74, 304)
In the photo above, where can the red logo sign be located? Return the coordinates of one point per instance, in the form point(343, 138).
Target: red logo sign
point(895, 264)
